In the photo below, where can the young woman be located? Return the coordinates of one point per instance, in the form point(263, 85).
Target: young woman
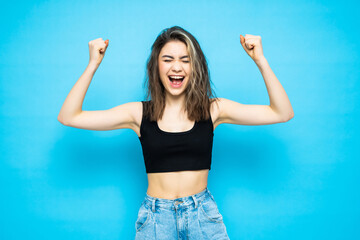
point(175, 128)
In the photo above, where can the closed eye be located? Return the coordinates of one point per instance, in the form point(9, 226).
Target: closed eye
point(170, 61)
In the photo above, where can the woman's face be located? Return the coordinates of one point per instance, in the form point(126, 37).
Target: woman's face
point(174, 67)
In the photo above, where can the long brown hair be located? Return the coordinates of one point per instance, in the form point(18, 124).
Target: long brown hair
point(198, 92)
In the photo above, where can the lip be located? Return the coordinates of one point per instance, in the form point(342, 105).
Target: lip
point(176, 86)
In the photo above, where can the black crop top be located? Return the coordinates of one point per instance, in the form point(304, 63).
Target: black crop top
point(176, 151)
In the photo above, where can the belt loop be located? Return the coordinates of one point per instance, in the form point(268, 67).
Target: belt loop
point(195, 201)
point(210, 194)
point(153, 205)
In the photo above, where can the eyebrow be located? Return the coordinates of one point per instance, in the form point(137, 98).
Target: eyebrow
point(186, 56)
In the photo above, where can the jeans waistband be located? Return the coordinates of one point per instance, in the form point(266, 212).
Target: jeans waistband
point(177, 203)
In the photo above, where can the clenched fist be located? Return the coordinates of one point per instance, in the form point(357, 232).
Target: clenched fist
point(97, 49)
point(252, 46)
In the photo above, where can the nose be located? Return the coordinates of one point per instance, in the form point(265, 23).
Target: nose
point(176, 67)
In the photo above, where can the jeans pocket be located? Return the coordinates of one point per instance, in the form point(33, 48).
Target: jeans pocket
point(210, 210)
point(143, 217)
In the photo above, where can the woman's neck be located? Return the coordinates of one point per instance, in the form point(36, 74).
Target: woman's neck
point(175, 102)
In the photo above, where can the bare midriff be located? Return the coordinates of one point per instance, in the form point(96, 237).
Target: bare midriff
point(172, 185)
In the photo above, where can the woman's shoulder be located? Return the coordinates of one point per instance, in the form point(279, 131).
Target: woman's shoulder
point(137, 114)
point(215, 110)
point(136, 109)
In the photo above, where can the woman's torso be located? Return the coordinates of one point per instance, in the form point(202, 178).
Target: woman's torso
point(171, 185)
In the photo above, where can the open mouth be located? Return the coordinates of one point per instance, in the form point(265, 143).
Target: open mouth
point(176, 81)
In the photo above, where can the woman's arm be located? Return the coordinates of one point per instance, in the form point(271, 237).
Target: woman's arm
point(73, 103)
point(71, 113)
point(279, 110)
point(279, 101)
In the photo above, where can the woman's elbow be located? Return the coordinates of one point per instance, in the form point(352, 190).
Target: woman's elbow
point(62, 120)
point(289, 117)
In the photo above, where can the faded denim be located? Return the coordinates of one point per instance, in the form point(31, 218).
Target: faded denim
point(195, 217)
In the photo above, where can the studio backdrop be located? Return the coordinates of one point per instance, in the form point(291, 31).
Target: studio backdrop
point(293, 180)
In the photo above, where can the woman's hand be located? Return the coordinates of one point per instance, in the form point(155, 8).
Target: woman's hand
point(252, 46)
point(97, 49)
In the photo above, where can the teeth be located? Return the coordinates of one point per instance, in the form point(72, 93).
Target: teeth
point(176, 77)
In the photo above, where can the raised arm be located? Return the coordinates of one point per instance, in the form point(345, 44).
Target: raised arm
point(71, 113)
point(279, 109)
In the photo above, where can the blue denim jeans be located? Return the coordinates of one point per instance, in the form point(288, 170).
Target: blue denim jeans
point(195, 217)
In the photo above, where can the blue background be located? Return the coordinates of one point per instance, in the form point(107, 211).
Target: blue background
point(293, 180)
